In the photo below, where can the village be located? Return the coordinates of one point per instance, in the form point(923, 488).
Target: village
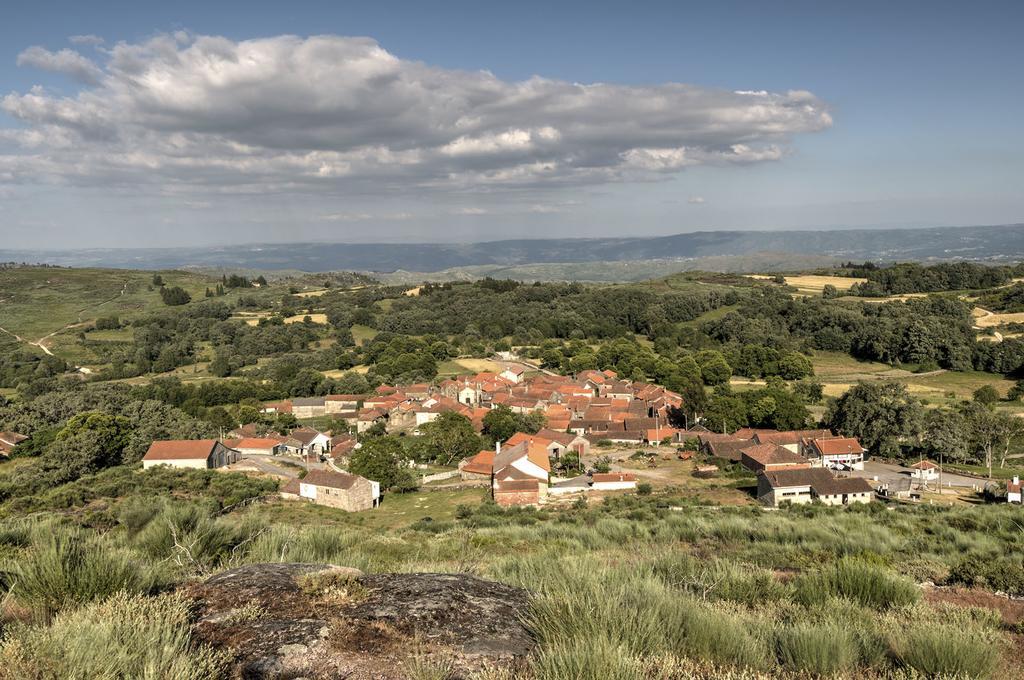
point(601, 435)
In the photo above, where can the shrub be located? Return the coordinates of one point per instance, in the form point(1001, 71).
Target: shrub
point(644, 489)
point(127, 636)
point(713, 633)
point(719, 579)
point(816, 649)
point(1003, 574)
point(582, 659)
point(63, 570)
point(868, 584)
point(942, 650)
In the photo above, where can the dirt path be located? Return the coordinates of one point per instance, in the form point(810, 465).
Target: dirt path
point(41, 342)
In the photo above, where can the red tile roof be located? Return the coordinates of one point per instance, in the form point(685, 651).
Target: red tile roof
point(837, 446)
point(180, 449)
point(772, 454)
point(253, 443)
point(480, 464)
point(613, 477)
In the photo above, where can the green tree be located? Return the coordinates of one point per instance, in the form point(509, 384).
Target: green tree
point(89, 442)
point(174, 296)
point(714, 369)
point(986, 394)
point(502, 422)
point(883, 415)
point(451, 437)
point(248, 414)
point(382, 459)
point(351, 382)
point(794, 366)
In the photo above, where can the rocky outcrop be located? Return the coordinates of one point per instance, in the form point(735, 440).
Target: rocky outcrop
point(323, 621)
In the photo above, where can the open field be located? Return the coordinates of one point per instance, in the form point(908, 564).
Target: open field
point(363, 334)
point(813, 284)
point(74, 298)
point(463, 366)
point(986, 319)
point(311, 293)
point(300, 318)
point(337, 373)
point(839, 372)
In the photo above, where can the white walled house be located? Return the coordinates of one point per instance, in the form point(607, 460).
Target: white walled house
point(811, 484)
point(513, 374)
point(198, 454)
point(1013, 490)
point(925, 470)
point(613, 481)
point(835, 453)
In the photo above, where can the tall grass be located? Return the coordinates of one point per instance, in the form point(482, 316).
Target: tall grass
point(822, 650)
point(598, 658)
point(126, 636)
point(868, 584)
point(947, 650)
point(719, 579)
point(64, 569)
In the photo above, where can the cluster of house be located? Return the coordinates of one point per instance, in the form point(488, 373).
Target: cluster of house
point(254, 439)
point(333, 488)
point(595, 404)
point(796, 466)
point(518, 472)
point(8, 440)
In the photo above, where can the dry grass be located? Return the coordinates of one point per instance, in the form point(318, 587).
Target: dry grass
point(315, 318)
point(986, 319)
point(811, 284)
point(311, 293)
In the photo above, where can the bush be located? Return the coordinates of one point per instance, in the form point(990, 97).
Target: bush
point(63, 570)
point(127, 636)
point(817, 649)
point(698, 631)
point(868, 584)
point(1002, 574)
point(719, 579)
point(644, 489)
point(582, 659)
point(942, 650)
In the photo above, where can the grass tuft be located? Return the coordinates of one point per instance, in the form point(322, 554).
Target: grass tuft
point(869, 584)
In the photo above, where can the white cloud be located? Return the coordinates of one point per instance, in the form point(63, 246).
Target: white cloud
point(328, 114)
point(66, 61)
point(695, 200)
point(88, 39)
point(367, 217)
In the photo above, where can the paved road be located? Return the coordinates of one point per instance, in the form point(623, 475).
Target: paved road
point(888, 473)
point(272, 465)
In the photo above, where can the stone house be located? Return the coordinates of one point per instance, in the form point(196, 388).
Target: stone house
point(309, 407)
point(341, 490)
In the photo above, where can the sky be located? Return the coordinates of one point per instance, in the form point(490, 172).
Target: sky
point(127, 124)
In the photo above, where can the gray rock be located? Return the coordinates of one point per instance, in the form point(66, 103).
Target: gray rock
point(323, 621)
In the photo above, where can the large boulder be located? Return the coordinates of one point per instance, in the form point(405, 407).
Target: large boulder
point(324, 621)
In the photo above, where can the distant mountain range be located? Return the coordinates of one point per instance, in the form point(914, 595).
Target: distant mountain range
point(1001, 243)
